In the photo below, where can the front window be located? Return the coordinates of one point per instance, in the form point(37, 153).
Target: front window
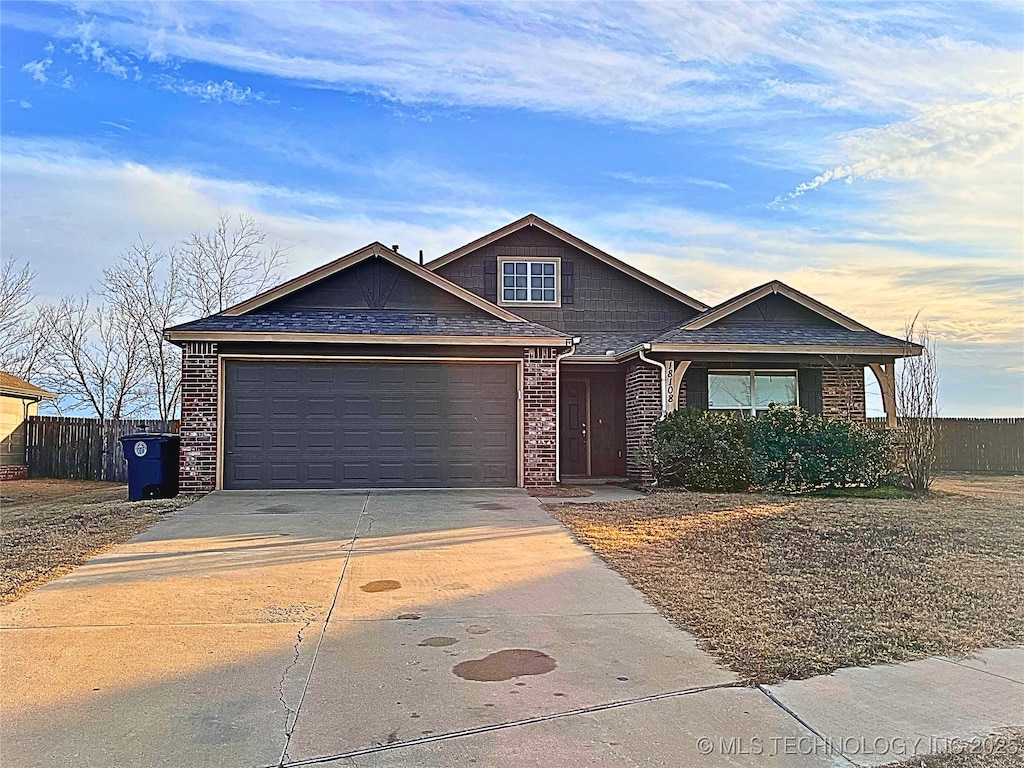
point(529, 282)
point(747, 393)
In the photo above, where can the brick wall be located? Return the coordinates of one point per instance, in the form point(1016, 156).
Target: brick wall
point(643, 408)
point(13, 472)
point(199, 391)
point(540, 418)
point(842, 392)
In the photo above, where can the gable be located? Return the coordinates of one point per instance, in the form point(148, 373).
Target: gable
point(374, 289)
point(375, 284)
point(594, 294)
point(774, 308)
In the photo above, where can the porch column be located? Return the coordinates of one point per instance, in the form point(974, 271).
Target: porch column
point(643, 408)
point(886, 375)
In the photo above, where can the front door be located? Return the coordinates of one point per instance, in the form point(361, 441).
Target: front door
point(575, 446)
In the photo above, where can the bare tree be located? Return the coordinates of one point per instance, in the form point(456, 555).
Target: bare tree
point(917, 406)
point(92, 358)
point(231, 263)
point(146, 289)
point(20, 336)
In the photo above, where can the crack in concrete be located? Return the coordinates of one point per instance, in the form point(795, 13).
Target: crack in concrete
point(288, 711)
point(289, 729)
point(502, 726)
point(975, 669)
point(824, 740)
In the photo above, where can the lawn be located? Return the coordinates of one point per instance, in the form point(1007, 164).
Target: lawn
point(47, 527)
point(792, 587)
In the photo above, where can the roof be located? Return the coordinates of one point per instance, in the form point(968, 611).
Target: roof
point(747, 298)
point(532, 220)
point(598, 344)
point(359, 326)
point(12, 385)
point(783, 336)
point(368, 251)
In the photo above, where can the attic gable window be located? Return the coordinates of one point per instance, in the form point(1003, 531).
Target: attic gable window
point(529, 282)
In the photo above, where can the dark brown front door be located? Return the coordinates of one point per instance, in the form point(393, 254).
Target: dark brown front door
point(575, 446)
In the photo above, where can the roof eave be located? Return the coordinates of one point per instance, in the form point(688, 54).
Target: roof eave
point(178, 337)
point(903, 350)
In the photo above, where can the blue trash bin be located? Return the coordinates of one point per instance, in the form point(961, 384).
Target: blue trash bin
point(152, 465)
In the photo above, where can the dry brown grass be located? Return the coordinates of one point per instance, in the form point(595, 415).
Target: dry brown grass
point(47, 527)
point(781, 587)
point(561, 492)
point(1004, 749)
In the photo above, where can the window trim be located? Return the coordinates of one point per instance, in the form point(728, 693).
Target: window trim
point(752, 373)
point(556, 260)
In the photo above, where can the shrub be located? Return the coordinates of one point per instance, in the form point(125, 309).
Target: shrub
point(792, 451)
point(784, 450)
point(700, 451)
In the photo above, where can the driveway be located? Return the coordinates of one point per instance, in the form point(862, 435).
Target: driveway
point(351, 628)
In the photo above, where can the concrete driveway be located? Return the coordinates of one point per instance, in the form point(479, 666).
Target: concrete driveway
point(351, 628)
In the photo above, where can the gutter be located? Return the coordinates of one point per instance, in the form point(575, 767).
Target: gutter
point(558, 405)
point(664, 373)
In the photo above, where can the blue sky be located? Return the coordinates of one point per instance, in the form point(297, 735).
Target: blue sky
point(870, 155)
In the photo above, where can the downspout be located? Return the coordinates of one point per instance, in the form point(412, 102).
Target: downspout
point(664, 373)
point(558, 405)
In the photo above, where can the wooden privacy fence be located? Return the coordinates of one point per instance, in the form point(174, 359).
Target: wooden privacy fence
point(977, 445)
point(83, 449)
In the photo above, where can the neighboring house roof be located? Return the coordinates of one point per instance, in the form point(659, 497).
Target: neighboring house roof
point(532, 220)
point(747, 298)
point(350, 325)
point(373, 249)
point(12, 385)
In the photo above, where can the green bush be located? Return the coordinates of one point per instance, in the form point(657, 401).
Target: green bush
point(792, 452)
point(783, 450)
point(700, 451)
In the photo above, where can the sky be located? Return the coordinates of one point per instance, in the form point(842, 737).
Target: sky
point(867, 154)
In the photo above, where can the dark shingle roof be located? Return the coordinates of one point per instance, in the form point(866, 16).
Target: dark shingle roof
point(778, 333)
point(367, 323)
point(598, 344)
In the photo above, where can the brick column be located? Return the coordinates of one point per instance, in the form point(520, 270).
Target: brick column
point(540, 417)
point(643, 408)
point(197, 472)
point(842, 392)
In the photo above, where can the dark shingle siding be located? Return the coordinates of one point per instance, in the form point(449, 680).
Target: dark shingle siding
point(604, 298)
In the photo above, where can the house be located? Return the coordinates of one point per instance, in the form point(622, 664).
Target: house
point(522, 358)
point(18, 400)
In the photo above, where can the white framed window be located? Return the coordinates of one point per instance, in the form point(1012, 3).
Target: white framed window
point(528, 281)
point(748, 393)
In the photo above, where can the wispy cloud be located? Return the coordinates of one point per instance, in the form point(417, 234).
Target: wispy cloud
point(38, 70)
point(25, 104)
point(665, 181)
point(88, 48)
point(224, 91)
point(112, 124)
point(940, 141)
point(652, 64)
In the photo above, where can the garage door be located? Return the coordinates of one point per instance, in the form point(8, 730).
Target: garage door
point(356, 425)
